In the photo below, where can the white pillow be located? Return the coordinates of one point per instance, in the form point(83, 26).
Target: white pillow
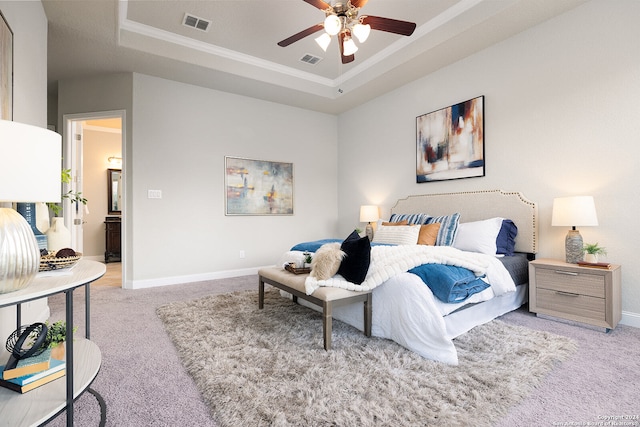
point(397, 234)
point(478, 236)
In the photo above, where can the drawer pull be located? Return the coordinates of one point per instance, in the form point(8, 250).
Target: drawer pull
point(566, 273)
point(569, 294)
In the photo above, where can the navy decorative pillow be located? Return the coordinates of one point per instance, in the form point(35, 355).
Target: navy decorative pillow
point(506, 240)
point(355, 264)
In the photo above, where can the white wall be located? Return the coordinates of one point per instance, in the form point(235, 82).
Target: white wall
point(561, 118)
point(181, 135)
point(29, 25)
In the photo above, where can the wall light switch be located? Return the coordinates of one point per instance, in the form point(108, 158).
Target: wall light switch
point(154, 194)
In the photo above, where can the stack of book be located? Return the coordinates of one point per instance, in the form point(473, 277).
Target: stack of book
point(26, 374)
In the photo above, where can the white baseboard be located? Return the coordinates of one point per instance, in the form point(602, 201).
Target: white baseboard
point(630, 319)
point(165, 281)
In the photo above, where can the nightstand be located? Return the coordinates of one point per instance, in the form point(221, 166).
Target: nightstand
point(582, 294)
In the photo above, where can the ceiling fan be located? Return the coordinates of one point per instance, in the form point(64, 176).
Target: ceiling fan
point(342, 20)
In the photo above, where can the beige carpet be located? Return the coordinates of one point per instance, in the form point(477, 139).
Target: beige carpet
point(268, 367)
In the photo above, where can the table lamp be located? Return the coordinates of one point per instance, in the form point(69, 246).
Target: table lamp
point(573, 212)
point(368, 214)
point(29, 172)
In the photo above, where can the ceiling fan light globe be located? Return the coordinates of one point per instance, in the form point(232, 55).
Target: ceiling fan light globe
point(324, 41)
point(349, 47)
point(362, 31)
point(332, 25)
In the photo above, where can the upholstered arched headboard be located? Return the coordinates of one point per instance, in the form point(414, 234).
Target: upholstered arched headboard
point(479, 205)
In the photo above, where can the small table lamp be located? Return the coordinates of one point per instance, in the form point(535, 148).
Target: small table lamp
point(573, 212)
point(368, 214)
point(29, 172)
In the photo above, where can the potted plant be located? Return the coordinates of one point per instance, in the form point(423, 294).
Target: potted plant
point(56, 336)
point(75, 197)
point(307, 259)
point(59, 236)
point(592, 250)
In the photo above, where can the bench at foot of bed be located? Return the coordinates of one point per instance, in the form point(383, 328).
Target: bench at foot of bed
point(324, 297)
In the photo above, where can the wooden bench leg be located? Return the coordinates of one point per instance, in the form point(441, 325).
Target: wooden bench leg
point(327, 324)
point(368, 310)
point(260, 293)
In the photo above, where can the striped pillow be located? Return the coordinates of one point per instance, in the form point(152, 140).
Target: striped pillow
point(397, 235)
point(448, 225)
point(448, 228)
point(419, 218)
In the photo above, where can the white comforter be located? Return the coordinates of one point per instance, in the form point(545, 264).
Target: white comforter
point(404, 308)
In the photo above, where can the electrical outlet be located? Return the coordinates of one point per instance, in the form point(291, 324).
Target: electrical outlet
point(154, 194)
point(242, 254)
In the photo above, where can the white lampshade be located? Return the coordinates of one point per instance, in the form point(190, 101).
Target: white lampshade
point(361, 32)
point(349, 47)
point(574, 211)
point(332, 25)
point(324, 41)
point(30, 171)
point(369, 213)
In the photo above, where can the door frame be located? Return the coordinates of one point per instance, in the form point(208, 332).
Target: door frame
point(71, 162)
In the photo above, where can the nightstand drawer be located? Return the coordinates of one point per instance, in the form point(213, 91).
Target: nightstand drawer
point(571, 282)
point(572, 304)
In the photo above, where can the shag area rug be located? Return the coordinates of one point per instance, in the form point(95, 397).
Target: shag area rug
point(268, 367)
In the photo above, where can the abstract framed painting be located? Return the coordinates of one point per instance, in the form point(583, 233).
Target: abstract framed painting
point(6, 70)
point(450, 142)
point(258, 187)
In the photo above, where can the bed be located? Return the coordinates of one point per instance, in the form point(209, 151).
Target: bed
point(404, 309)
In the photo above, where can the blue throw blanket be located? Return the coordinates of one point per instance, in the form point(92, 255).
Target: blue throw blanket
point(449, 283)
point(315, 245)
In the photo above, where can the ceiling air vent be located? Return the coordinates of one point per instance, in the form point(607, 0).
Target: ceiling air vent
point(195, 22)
point(310, 59)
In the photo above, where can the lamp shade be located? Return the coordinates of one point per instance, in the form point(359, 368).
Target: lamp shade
point(574, 211)
point(332, 25)
point(30, 171)
point(369, 213)
point(29, 163)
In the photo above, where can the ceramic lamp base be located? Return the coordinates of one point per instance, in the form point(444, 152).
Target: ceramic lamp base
point(574, 247)
point(369, 231)
point(19, 252)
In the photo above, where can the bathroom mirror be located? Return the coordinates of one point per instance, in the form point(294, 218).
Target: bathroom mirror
point(114, 191)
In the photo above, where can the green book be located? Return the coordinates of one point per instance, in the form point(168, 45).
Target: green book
point(17, 368)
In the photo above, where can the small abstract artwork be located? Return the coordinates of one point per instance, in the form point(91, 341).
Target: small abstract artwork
point(6, 70)
point(258, 187)
point(450, 142)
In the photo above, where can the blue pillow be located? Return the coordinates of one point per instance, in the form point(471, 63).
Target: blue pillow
point(506, 240)
point(448, 228)
point(411, 218)
point(355, 264)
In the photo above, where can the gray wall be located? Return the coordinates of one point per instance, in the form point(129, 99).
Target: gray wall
point(561, 119)
point(181, 135)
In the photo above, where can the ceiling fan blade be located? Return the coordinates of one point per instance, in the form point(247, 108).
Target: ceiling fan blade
point(319, 4)
point(345, 59)
point(358, 3)
point(389, 25)
point(302, 34)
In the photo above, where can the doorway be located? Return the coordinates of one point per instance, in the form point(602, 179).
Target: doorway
point(93, 144)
